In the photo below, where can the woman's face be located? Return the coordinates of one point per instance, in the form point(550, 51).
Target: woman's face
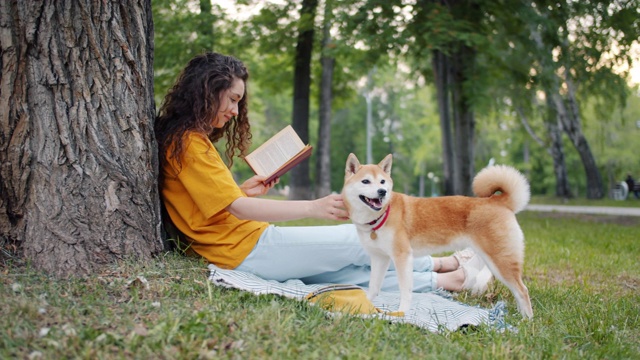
point(229, 100)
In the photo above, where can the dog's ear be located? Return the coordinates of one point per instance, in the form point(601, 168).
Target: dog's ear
point(385, 164)
point(352, 165)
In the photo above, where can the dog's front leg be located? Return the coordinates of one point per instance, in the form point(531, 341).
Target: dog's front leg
point(404, 268)
point(379, 266)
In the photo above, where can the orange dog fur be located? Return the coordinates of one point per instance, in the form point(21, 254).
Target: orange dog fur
point(417, 227)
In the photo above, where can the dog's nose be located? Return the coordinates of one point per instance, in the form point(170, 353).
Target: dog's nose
point(382, 192)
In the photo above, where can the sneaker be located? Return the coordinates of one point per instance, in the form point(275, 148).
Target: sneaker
point(463, 256)
point(477, 275)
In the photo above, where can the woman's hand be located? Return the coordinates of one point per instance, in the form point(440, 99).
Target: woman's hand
point(330, 207)
point(254, 186)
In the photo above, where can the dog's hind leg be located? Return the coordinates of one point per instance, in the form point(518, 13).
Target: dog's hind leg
point(511, 275)
point(379, 266)
point(508, 269)
point(521, 293)
point(501, 244)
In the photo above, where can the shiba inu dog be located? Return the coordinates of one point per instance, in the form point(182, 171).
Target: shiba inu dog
point(398, 227)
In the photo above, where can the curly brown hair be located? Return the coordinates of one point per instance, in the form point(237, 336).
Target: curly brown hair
point(193, 102)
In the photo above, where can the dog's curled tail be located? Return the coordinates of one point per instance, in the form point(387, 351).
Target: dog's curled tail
point(507, 180)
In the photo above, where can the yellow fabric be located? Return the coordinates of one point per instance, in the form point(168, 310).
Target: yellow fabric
point(196, 196)
point(348, 299)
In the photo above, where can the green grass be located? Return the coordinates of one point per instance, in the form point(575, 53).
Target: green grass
point(583, 278)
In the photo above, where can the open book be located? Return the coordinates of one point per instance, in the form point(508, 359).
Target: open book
point(278, 155)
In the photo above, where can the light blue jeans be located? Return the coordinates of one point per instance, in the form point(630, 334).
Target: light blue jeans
point(324, 254)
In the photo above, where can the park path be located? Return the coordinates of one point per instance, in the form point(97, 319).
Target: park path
point(598, 210)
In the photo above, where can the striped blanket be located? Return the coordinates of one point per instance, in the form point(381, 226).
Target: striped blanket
point(435, 311)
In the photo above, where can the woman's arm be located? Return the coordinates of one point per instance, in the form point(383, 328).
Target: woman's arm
point(329, 207)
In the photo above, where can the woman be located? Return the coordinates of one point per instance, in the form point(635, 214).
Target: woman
point(228, 224)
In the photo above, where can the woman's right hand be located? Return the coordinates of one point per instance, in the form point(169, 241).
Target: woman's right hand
point(330, 207)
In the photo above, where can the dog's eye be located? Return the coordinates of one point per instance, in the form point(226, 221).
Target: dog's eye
point(366, 181)
point(382, 181)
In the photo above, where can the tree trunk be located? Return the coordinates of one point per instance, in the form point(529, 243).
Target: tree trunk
point(463, 120)
point(441, 79)
point(571, 125)
point(553, 123)
point(556, 149)
point(78, 177)
point(323, 155)
point(300, 183)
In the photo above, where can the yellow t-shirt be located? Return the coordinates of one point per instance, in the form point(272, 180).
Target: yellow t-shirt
point(196, 200)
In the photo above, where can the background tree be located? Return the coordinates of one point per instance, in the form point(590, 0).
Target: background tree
point(574, 48)
point(180, 34)
point(300, 183)
point(563, 109)
point(371, 34)
point(78, 178)
point(445, 35)
point(272, 32)
point(327, 62)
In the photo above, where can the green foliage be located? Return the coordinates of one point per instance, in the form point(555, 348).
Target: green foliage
point(181, 32)
point(348, 136)
point(614, 137)
point(581, 272)
point(270, 38)
point(398, 39)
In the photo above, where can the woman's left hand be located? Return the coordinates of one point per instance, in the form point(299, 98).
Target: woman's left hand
point(254, 186)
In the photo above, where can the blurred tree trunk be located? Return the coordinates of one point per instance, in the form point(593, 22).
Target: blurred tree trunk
point(78, 177)
point(323, 154)
point(463, 120)
point(441, 80)
point(300, 182)
point(553, 124)
point(568, 116)
point(457, 122)
point(453, 61)
point(553, 147)
point(571, 120)
point(556, 149)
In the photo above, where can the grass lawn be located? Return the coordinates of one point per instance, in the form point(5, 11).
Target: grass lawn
point(582, 272)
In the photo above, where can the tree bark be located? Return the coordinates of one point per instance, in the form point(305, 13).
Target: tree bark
point(78, 177)
point(323, 155)
point(300, 182)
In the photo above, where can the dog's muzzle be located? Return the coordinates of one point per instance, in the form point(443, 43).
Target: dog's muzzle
point(375, 203)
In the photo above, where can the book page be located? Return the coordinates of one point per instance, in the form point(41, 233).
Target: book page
point(275, 152)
